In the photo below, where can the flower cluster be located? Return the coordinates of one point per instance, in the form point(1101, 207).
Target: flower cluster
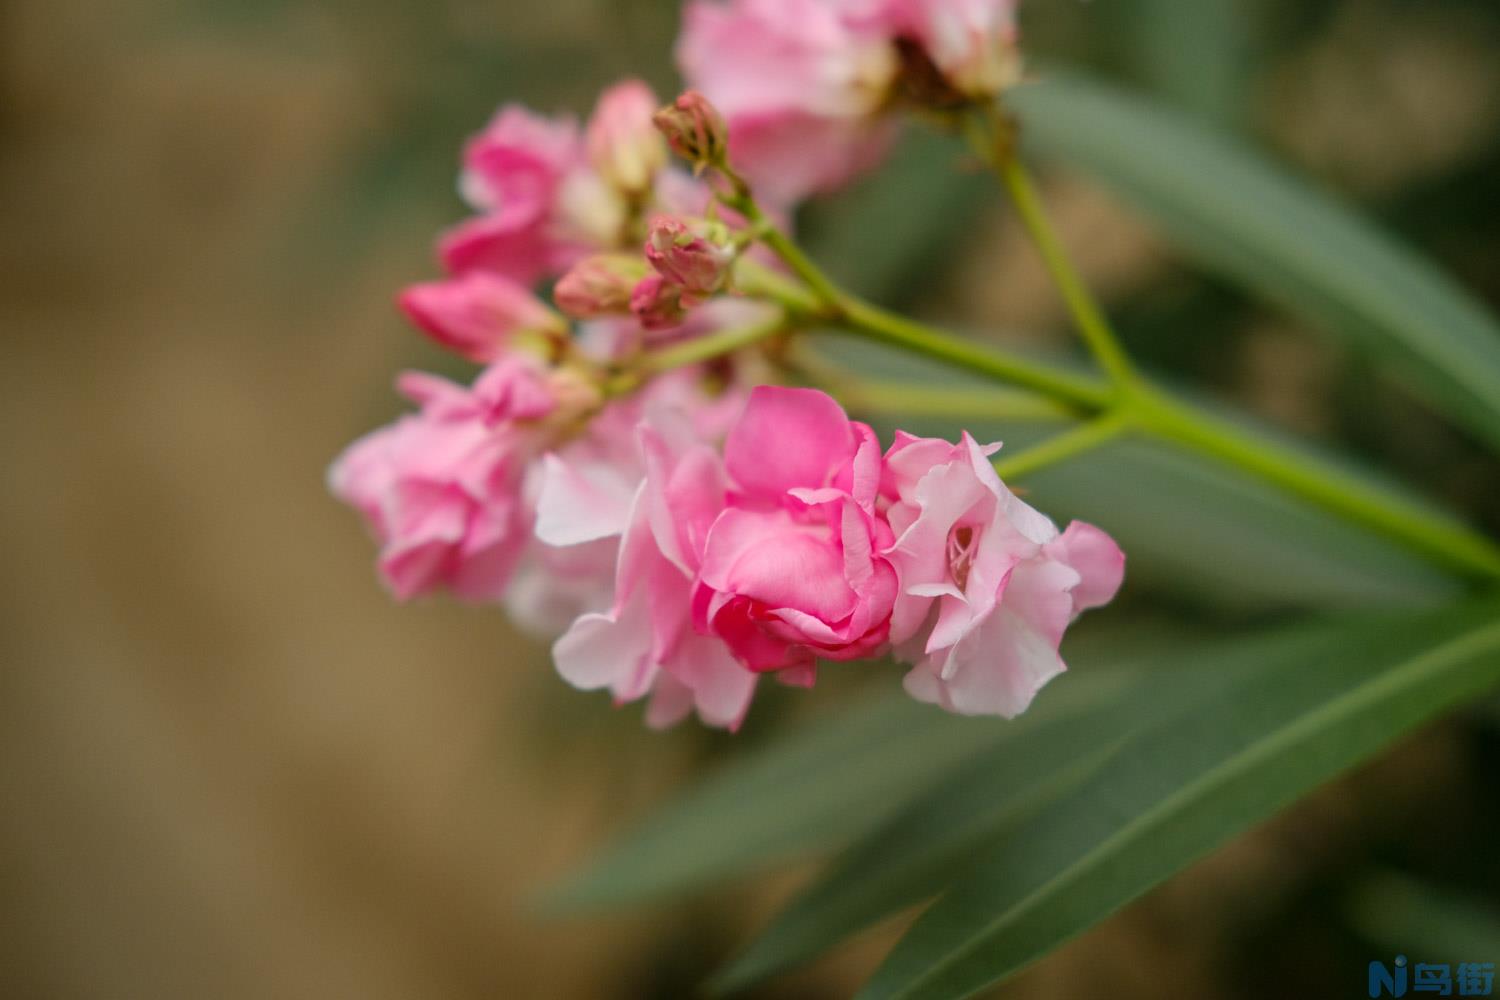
point(680, 529)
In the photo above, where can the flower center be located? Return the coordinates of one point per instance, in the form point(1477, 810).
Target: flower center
point(961, 553)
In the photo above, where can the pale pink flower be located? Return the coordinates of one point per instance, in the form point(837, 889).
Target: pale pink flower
point(441, 488)
point(792, 75)
point(478, 314)
point(644, 644)
point(624, 146)
point(792, 569)
point(987, 584)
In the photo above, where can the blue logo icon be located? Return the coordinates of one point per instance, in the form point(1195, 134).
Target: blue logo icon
point(1471, 979)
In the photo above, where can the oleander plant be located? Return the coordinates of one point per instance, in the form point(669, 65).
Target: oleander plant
point(655, 469)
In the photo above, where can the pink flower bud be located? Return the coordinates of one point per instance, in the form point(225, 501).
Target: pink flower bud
point(657, 303)
point(697, 256)
point(623, 144)
point(598, 286)
point(479, 314)
point(694, 129)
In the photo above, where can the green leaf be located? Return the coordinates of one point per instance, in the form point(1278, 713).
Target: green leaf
point(811, 790)
point(1323, 699)
point(913, 856)
point(1262, 226)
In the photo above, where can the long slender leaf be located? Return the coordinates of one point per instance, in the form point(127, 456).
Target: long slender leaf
point(913, 856)
point(809, 791)
point(1262, 226)
point(1325, 699)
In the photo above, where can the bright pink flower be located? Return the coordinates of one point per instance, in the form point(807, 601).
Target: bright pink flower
point(624, 145)
point(792, 569)
point(805, 75)
point(988, 586)
point(478, 314)
point(441, 489)
point(695, 257)
point(518, 162)
point(644, 644)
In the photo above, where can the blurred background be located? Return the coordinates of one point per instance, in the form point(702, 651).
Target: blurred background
point(231, 767)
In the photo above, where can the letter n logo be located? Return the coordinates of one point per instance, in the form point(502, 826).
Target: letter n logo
point(1388, 982)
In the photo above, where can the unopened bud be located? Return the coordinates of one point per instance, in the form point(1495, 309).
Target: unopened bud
point(623, 143)
point(657, 303)
point(695, 130)
point(599, 286)
point(695, 255)
point(480, 315)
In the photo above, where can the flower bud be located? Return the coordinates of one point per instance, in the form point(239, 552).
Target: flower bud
point(657, 303)
point(479, 314)
point(599, 286)
point(623, 144)
point(696, 256)
point(694, 129)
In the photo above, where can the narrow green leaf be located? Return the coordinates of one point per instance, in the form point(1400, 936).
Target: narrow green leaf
point(1325, 698)
point(833, 780)
point(916, 853)
point(1262, 226)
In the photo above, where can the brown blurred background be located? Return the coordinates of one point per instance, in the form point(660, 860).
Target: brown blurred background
point(232, 767)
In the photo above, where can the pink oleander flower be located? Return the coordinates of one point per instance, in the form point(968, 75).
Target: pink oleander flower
point(549, 196)
point(513, 173)
point(644, 644)
point(805, 85)
point(695, 257)
point(441, 489)
point(792, 567)
point(799, 82)
point(479, 315)
point(988, 585)
point(624, 146)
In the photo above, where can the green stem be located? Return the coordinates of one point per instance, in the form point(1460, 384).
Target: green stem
point(699, 350)
point(1064, 446)
point(888, 328)
point(877, 396)
point(1087, 315)
point(1419, 528)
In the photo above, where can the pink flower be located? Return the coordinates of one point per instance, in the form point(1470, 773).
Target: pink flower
point(479, 314)
point(644, 644)
point(792, 569)
point(624, 146)
point(513, 173)
point(792, 75)
point(441, 489)
point(988, 586)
